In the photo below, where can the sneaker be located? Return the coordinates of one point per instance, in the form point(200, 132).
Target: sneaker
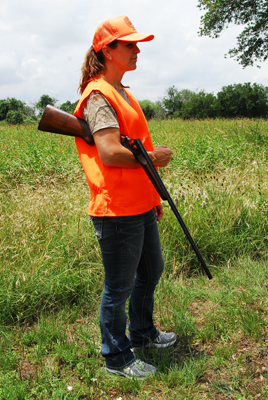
point(161, 341)
point(136, 370)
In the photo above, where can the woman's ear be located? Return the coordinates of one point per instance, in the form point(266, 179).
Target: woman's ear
point(107, 52)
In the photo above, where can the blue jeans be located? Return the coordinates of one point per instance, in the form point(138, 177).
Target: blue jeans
point(133, 264)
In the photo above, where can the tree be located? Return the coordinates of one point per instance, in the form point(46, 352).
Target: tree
point(252, 43)
point(160, 112)
point(172, 102)
point(16, 105)
point(185, 95)
point(45, 99)
point(200, 105)
point(243, 100)
point(4, 108)
point(68, 106)
point(29, 110)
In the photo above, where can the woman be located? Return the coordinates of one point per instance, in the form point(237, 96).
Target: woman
point(124, 206)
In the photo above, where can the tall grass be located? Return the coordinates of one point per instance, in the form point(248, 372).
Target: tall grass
point(30, 156)
point(51, 271)
point(218, 178)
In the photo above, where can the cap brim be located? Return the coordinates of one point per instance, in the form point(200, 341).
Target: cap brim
point(137, 37)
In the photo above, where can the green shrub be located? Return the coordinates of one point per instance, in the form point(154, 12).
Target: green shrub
point(148, 108)
point(14, 117)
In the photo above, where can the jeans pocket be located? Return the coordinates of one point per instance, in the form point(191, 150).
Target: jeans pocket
point(97, 225)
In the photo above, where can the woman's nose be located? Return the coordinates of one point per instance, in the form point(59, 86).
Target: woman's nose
point(137, 50)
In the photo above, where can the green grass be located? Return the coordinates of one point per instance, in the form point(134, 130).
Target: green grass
point(51, 271)
point(32, 157)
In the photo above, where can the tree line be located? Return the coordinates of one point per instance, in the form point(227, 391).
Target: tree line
point(239, 100)
point(17, 112)
point(233, 101)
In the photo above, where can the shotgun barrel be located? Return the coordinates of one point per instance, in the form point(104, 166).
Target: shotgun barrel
point(58, 121)
point(139, 151)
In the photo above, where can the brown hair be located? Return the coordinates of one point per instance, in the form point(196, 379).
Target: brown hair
point(93, 66)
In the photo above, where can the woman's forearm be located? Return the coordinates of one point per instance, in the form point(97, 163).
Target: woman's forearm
point(113, 154)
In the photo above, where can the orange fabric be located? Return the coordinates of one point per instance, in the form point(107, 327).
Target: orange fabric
point(117, 191)
point(117, 28)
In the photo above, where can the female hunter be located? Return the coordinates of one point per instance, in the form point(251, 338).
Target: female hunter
point(124, 206)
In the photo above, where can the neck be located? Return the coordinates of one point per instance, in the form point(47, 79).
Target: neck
point(113, 79)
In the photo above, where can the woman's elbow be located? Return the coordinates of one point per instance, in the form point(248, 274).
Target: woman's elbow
point(108, 159)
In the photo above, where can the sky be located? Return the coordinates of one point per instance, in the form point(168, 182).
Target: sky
point(43, 45)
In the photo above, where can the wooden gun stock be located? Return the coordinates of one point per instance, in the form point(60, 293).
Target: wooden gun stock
point(58, 121)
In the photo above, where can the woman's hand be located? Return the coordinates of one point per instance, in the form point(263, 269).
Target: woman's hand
point(158, 212)
point(160, 156)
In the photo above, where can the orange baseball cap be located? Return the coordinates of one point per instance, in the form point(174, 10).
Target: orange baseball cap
point(119, 28)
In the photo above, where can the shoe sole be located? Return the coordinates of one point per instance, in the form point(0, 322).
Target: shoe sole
point(155, 345)
point(121, 373)
point(163, 346)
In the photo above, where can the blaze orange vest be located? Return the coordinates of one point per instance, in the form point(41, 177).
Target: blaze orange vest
point(117, 191)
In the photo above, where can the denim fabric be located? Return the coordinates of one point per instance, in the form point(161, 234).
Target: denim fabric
point(133, 264)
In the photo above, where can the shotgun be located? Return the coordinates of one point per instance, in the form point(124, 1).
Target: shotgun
point(58, 121)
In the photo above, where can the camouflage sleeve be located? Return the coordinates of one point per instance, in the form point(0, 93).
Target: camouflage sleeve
point(99, 113)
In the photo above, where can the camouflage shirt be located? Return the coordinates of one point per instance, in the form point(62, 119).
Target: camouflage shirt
point(99, 113)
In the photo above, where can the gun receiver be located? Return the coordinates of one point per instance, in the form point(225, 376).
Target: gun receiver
point(57, 121)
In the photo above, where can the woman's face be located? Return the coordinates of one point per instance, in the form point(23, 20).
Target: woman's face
point(125, 56)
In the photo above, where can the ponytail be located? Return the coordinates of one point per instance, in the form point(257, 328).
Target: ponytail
point(93, 66)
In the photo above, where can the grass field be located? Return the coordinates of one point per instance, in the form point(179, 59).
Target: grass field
point(51, 272)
